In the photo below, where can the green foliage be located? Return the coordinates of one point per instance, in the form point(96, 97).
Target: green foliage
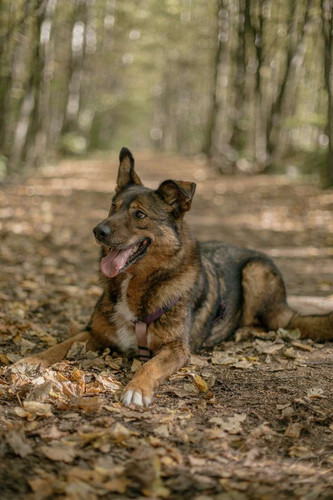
point(235, 79)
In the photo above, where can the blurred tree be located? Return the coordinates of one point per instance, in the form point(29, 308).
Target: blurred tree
point(327, 27)
point(247, 82)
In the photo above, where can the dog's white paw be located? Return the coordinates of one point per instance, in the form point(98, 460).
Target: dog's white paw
point(135, 397)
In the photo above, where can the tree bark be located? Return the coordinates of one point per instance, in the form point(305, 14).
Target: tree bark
point(274, 117)
point(214, 103)
point(327, 28)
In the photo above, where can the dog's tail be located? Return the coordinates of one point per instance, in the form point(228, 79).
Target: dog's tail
point(318, 327)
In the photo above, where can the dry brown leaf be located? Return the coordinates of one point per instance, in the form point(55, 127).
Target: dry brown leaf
point(315, 393)
point(118, 485)
point(288, 411)
point(232, 425)
point(17, 443)
point(302, 346)
point(42, 485)
point(50, 433)
point(88, 404)
point(59, 453)
point(40, 409)
point(290, 353)
point(33, 409)
point(293, 430)
point(119, 433)
point(300, 452)
point(199, 383)
point(77, 350)
point(4, 359)
point(87, 475)
point(162, 430)
point(243, 364)
point(136, 365)
point(26, 346)
point(273, 349)
point(198, 360)
point(221, 358)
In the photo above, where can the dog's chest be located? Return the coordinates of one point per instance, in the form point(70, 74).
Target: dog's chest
point(124, 320)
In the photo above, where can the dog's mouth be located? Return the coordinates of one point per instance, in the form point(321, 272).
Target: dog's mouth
point(118, 260)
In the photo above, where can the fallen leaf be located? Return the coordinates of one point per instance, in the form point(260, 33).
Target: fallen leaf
point(162, 430)
point(293, 431)
point(272, 349)
point(232, 425)
point(33, 409)
point(199, 383)
point(302, 346)
point(18, 444)
point(290, 353)
point(118, 485)
point(288, 412)
point(77, 350)
point(315, 392)
point(198, 360)
point(88, 404)
point(300, 452)
point(221, 358)
point(119, 432)
point(59, 453)
point(26, 346)
point(243, 364)
point(136, 365)
point(42, 485)
point(37, 408)
point(289, 334)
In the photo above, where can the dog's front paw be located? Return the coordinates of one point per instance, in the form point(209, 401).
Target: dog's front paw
point(137, 394)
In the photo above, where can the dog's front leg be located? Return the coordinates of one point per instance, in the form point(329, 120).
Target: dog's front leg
point(59, 351)
point(170, 358)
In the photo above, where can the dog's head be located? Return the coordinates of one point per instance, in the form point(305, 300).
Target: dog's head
point(142, 221)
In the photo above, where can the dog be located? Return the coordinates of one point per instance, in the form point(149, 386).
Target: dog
point(166, 295)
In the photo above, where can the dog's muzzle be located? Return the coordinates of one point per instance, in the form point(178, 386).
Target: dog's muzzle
point(101, 231)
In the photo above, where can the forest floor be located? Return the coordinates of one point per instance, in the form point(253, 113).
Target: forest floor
point(264, 428)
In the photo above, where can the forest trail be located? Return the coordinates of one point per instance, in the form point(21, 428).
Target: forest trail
point(253, 420)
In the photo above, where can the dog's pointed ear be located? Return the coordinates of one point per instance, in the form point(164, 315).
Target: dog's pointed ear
point(126, 173)
point(177, 194)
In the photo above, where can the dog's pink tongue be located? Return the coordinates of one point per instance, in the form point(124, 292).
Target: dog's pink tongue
point(114, 261)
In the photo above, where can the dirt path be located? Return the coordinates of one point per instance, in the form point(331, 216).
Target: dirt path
point(262, 427)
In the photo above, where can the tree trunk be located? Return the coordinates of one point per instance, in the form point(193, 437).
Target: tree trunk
point(274, 118)
point(214, 104)
point(237, 135)
point(327, 28)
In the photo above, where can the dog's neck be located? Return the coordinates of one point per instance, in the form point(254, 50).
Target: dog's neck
point(150, 288)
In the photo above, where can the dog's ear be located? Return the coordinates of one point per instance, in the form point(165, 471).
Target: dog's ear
point(177, 194)
point(126, 173)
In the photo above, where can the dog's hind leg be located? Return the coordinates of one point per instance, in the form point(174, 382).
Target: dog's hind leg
point(264, 302)
point(318, 327)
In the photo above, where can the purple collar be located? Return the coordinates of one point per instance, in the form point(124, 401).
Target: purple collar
point(141, 327)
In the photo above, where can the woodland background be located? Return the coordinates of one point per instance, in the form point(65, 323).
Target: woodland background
point(248, 83)
point(199, 90)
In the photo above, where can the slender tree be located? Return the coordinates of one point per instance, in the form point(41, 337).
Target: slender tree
point(327, 28)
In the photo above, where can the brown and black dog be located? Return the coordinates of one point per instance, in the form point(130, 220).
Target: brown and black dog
point(163, 291)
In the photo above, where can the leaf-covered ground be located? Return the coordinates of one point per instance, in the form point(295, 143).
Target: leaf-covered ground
point(251, 420)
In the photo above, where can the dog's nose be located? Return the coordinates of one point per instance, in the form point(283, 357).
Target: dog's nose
point(101, 231)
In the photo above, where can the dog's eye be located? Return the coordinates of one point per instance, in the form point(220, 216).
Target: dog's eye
point(113, 206)
point(139, 215)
